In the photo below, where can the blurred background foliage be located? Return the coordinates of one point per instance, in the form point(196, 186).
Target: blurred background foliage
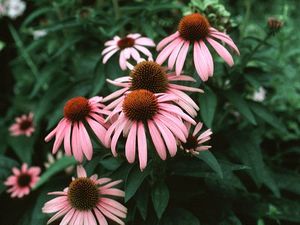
point(250, 176)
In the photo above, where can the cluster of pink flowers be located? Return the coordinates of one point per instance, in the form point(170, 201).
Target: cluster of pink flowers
point(151, 104)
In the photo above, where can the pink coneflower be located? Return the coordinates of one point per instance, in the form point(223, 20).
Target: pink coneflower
point(23, 126)
point(195, 29)
point(87, 201)
point(71, 129)
point(194, 141)
point(22, 180)
point(129, 47)
point(142, 109)
point(151, 76)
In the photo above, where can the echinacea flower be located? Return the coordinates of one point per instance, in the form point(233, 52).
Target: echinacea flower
point(142, 110)
point(195, 140)
point(87, 201)
point(22, 180)
point(78, 112)
point(128, 46)
point(151, 76)
point(195, 29)
point(23, 126)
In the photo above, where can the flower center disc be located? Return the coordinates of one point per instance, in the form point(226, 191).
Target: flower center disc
point(125, 43)
point(149, 76)
point(76, 109)
point(191, 142)
point(140, 105)
point(83, 194)
point(24, 180)
point(193, 27)
point(24, 125)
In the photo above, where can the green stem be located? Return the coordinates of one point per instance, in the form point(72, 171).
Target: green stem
point(116, 9)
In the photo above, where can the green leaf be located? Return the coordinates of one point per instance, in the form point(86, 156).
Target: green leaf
point(22, 146)
point(58, 166)
point(179, 216)
point(267, 116)
point(208, 104)
point(142, 199)
point(246, 148)
point(160, 198)
point(134, 181)
point(241, 105)
point(111, 163)
point(2, 45)
point(211, 161)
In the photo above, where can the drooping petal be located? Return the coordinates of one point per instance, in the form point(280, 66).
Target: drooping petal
point(157, 140)
point(166, 41)
point(130, 145)
point(142, 146)
point(222, 51)
point(181, 57)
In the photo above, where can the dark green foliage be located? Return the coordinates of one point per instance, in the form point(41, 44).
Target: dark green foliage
point(250, 176)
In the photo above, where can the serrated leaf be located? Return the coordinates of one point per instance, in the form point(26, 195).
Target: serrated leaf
point(241, 105)
point(134, 181)
point(179, 216)
point(58, 166)
point(160, 198)
point(208, 104)
point(211, 161)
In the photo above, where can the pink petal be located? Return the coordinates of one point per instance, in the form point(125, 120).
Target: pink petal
point(142, 145)
point(174, 54)
point(225, 38)
point(197, 128)
point(157, 140)
point(199, 62)
point(221, 51)
point(101, 219)
point(166, 41)
point(67, 141)
point(109, 215)
point(181, 57)
point(143, 50)
point(85, 141)
point(81, 171)
point(131, 143)
point(60, 134)
point(164, 54)
point(114, 204)
point(108, 49)
point(168, 137)
point(109, 55)
point(122, 60)
point(208, 58)
point(97, 128)
point(75, 145)
point(145, 41)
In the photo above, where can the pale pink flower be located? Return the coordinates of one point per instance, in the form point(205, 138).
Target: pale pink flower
point(194, 29)
point(151, 76)
point(23, 126)
point(22, 180)
point(142, 110)
point(129, 46)
point(195, 140)
point(71, 130)
point(87, 201)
